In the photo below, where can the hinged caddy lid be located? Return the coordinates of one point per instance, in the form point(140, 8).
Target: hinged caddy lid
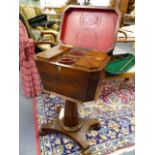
point(90, 27)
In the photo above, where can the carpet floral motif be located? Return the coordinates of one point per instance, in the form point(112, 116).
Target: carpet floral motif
point(115, 110)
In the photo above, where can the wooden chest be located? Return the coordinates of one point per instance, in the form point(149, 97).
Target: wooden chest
point(75, 66)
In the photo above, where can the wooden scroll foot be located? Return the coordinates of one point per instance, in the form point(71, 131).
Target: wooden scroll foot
point(79, 136)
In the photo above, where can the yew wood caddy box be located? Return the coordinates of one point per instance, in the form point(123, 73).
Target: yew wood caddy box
point(75, 66)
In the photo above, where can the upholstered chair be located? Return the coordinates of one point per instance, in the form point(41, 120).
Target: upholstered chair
point(44, 35)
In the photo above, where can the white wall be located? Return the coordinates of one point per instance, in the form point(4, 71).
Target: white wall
point(100, 2)
point(57, 3)
point(54, 3)
point(96, 2)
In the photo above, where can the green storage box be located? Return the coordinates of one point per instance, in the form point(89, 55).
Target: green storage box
point(120, 64)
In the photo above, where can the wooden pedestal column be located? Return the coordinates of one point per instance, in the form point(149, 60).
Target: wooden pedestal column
point(71, 118)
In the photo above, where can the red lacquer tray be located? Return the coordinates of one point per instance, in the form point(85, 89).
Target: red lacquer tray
point(90, 27)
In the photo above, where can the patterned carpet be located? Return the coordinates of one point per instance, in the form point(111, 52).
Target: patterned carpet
point(114, 108)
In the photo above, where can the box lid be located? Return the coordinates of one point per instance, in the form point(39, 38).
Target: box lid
point(90, 27)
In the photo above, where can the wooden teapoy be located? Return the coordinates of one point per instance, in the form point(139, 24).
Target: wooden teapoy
point(74, 68)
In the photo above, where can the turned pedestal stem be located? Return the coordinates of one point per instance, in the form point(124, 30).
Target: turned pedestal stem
point(71, 117)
